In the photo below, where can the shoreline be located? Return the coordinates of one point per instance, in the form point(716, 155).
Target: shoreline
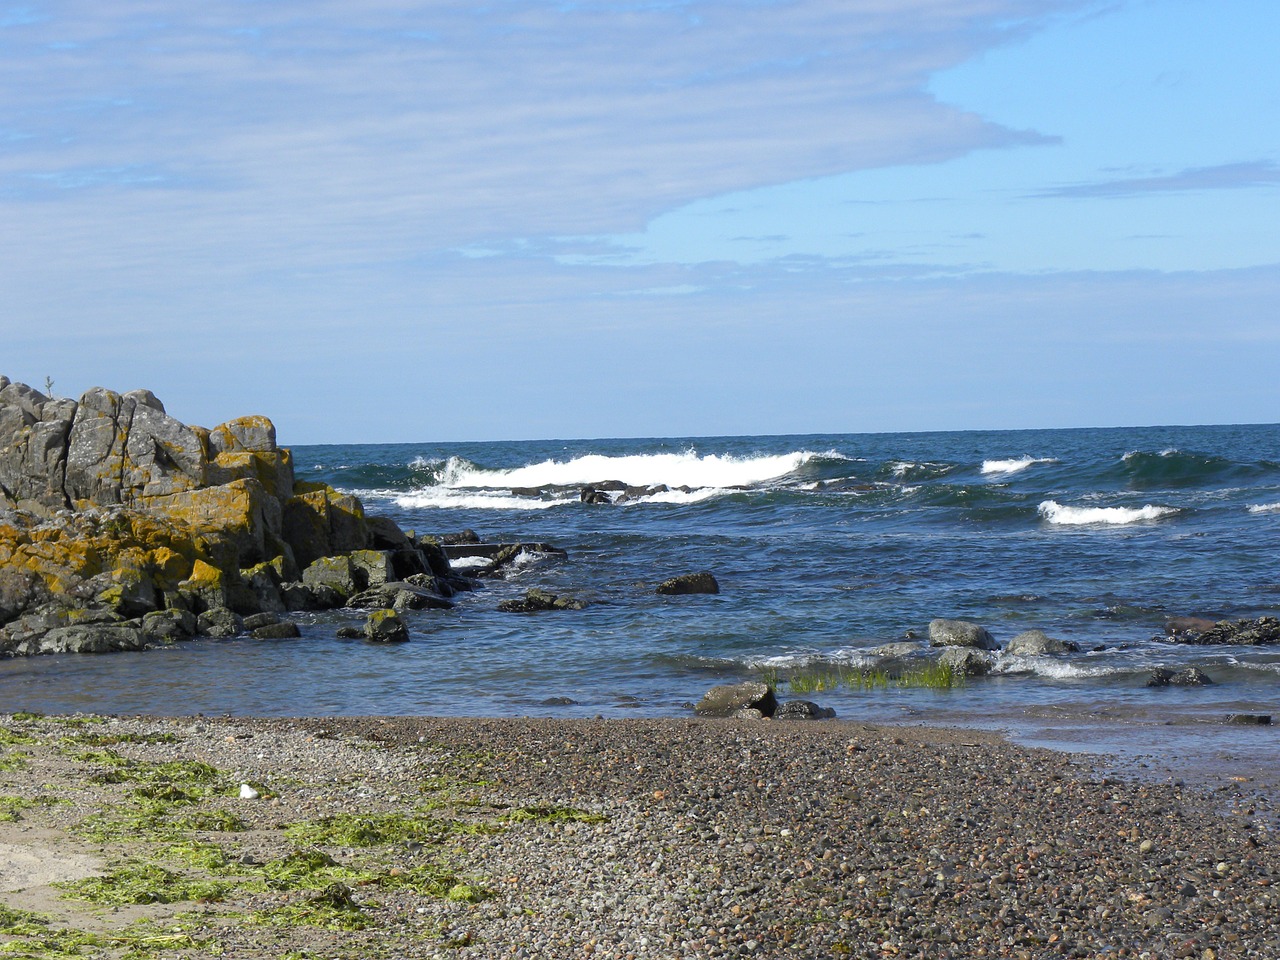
point(628, 838)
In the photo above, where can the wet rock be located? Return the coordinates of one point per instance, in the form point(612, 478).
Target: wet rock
point(960, 633)
point(725, 700)
point(1264, 631)
point(169, 626)
point(966, 661)
point(536, 600)
point(385, 626)
point(1187, 677)
point(594, 495)
point(803, 710)
point(1250, 719)
point(898, 650)
point(282, 630)
point(400, 596)
point(350, 633)
point(219, 622)
point(689, 583)
point(1036, 643)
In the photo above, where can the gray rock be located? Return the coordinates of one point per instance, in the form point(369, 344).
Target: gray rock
point(93, 638)
point(1250, 719)
point(1036, 643)
point(535, 600)
point(727, 699)
point(169, 626)
point(967, 661)
point(689, 583)
point(282, 630)
point(960, 633)
point(1187, 677)
point(899, 649)
point(385, 626)
point(803, 710)
point(1264, 631)
point(219, 623)
point(334, 573)
point(257, 621)
point(350, 633)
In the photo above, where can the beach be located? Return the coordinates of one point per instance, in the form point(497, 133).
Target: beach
point(442, 837)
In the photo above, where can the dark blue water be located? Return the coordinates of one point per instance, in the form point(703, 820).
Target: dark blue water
point(824, 546)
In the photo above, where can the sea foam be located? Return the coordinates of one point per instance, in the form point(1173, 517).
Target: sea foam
point(1013, 466)
point(1264, 508)
point(1057, 513)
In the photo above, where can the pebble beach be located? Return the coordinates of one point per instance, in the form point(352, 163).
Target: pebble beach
point(648, 838)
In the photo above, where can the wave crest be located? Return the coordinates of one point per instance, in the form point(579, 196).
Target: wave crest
point(1058, 513)
point(1016, 465)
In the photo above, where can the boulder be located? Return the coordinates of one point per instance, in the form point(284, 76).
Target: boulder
point(898, 650)
point(385, 626)
point(1186, 677)
point(960, 633)
point(1264, 631)
point(399, 596)
point(219, 622)
point(803, 710)
point(1036, 643)
point(689, 583)
point(536, 600)
point(725, 700)
point(966, 661)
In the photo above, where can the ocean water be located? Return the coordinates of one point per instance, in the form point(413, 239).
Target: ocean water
point(825, 546)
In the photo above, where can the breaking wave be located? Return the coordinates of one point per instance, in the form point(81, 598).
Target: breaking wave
point(1057, 513)
point(1014, 465)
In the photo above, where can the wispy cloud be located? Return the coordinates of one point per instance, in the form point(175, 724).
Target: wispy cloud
point(1227, 176)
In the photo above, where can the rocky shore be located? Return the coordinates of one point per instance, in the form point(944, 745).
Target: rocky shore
point(415, 837)
point(122, 528)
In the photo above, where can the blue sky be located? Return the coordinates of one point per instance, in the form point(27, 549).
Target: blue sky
point(399, 221)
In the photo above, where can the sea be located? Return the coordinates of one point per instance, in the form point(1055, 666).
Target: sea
point(825, 547)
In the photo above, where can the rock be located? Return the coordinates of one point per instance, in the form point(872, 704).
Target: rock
point(281, 630)
point(898, 650)
point(803, 710)
point(1187, 677)
point(725, 700)
point(593, 495)
point(966, 661)
point(1264, 631)
point(1036, 643)
point(1250, 719)
point(1187, 626)
point(112, 507)
point(169, 626)
point(350, 633)
point(385, 626)
point(960, 633)
point(399, 596)
point(689, 583)
point(536, 600)
point(219, 623)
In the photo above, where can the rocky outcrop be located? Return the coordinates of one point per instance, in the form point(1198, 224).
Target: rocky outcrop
point(1264, 631)
point(123, 528)
point(535, 601)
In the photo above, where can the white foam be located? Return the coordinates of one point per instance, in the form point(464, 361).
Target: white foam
point(1056, 513)
point(1051, 668)
point(686, 469)
point(1265, 508)
point(444, 499)
point(1013, 466)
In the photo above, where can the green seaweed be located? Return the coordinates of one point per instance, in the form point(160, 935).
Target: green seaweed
point(141, 882)
point(333, 908)
point(552, 814)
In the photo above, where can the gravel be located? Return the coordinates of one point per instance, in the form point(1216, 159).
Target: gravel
point(726, 838)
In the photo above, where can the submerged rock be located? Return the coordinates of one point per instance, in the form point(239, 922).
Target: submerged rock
point(803, 710)
point(1187, 677)
point(536, 600)
point(1264, 631)
point(966, 661)
point(385, 626)
point(689, 583)
point(1036, 643)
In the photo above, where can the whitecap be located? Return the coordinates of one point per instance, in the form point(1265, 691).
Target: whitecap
point(445, 499)
point(1014, 465)
point(1052, 668)
point(1264, 508)
point(1057, 513)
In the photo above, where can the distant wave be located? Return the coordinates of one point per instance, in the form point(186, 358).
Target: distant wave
point(1265, 508)
point(1057, 513)
point(689, 477)
point(1013, 466)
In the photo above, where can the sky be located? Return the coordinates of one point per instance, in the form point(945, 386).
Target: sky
point(521, 219)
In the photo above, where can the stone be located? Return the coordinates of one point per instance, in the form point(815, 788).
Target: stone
point(282, 630)
point(803, 710)
point(1264, 631)
point(219, 622)
point(960, 633)
point(689, 583)
point(334, 573)
point(1186, 677)
point(169, 626)
point(1036, 643)
point(385, 626)
point(899, 649)
point(349, 633)
point(1250, 719)
point(726, 699)
point(966, 661)
point(536, 600)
